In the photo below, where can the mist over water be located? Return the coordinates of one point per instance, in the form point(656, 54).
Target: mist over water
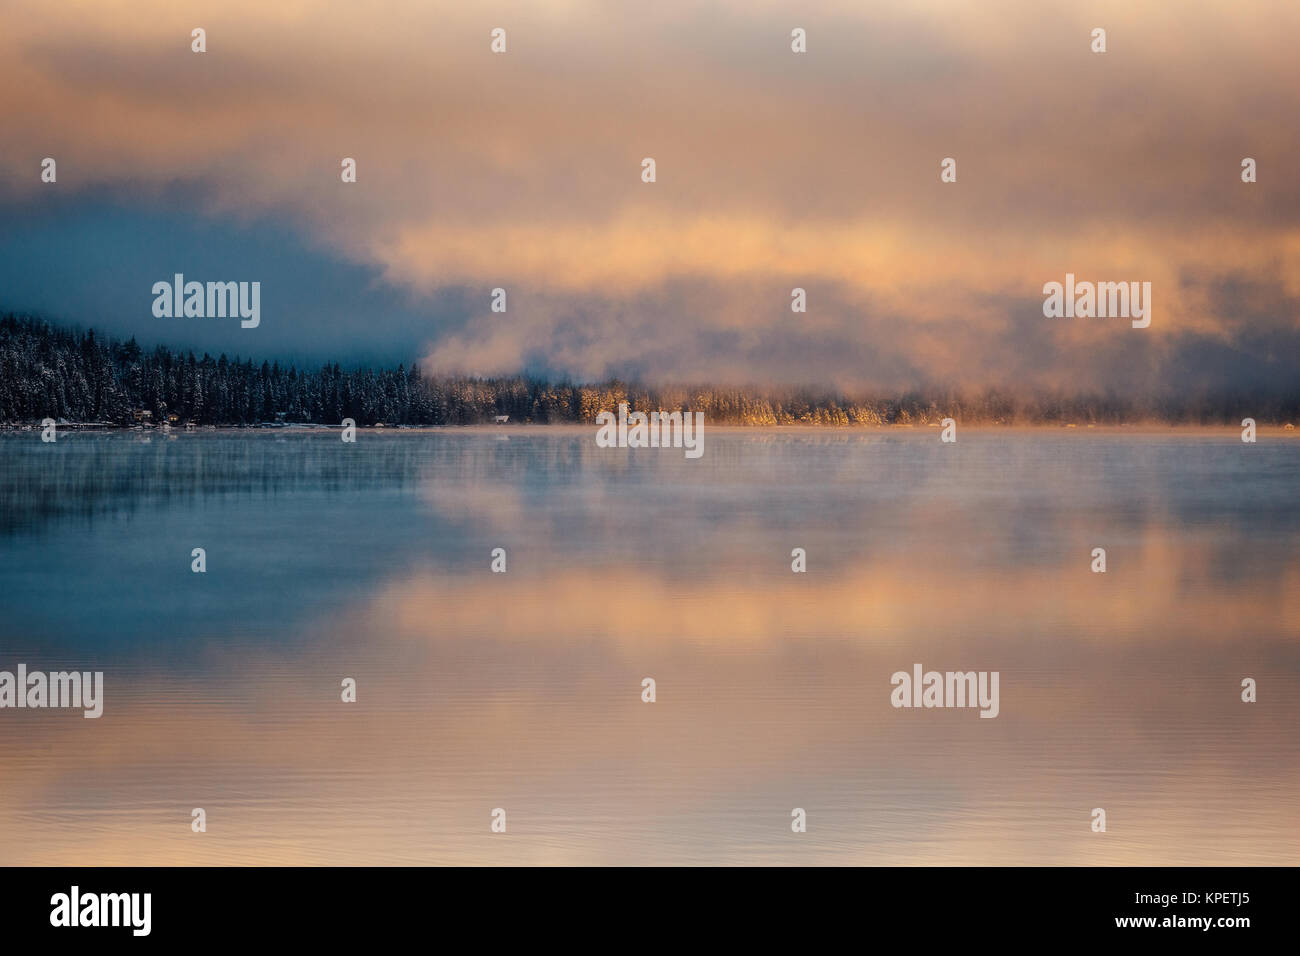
point(522, 690)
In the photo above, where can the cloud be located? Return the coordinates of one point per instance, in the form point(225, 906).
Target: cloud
point(775, 170)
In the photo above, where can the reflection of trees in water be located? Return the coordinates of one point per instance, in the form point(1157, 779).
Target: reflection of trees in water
point(92, 475)
point(998, 498)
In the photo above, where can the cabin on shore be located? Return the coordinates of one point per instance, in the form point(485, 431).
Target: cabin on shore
point(501, 419)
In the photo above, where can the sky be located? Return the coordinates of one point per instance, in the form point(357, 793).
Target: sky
point(774, 170)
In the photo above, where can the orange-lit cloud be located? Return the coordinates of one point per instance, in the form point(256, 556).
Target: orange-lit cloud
point(775, 170)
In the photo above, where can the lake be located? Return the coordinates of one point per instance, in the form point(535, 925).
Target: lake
point(522, 690)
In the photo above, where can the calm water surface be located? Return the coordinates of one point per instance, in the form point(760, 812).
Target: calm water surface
point(522, 690)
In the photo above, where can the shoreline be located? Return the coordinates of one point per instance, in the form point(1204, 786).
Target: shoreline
point(1282, 429)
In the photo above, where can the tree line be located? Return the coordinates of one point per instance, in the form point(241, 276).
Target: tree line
point(81, 376)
